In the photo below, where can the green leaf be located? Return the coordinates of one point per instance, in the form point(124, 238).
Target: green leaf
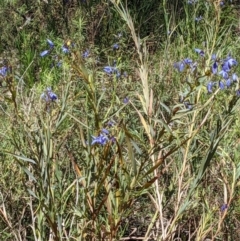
point(21, 157)
point(32, 193)
point(31, 177)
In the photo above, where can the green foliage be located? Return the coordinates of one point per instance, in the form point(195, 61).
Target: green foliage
point(111, 142)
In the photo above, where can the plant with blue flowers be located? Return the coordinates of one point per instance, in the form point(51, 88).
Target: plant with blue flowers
point(113, 141)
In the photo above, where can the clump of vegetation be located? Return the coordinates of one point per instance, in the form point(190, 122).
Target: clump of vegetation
point(119, 121)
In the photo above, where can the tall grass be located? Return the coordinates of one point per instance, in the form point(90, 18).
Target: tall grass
point(103, 143)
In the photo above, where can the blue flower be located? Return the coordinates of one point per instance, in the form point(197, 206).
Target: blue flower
point(65, 49)
point(215, 68)
point(234, 77)
point(52, 96)
point(228, 63)
point(179, 66)
point(214, 57)
point(48, 95)
point(238, 93)
point(51, 44)
point(115, 47)
point(228, 83)
point(231, 62)
point(188, 105)
point(44, 53)
point(200, 52)
point(125, 100)
point(108, 69)
point(101, 139)
point(110, 124)
point(111, 70)
point(3, 71)
point(85, 54)
point(188, 61)
point(224, 207)
point(210, 86)
point(105, 131)
point(221, 85)
point(225, 67)
point(224, 74)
